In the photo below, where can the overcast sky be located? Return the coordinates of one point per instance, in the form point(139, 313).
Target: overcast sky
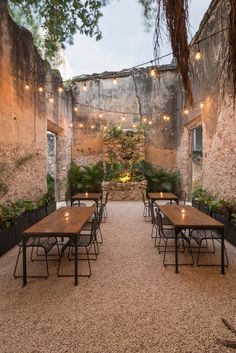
point(125, 42)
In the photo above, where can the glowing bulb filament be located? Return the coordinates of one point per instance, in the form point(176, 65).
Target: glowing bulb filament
point(198, 55)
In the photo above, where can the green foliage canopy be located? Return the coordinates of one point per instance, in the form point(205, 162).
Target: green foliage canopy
point(59, 19)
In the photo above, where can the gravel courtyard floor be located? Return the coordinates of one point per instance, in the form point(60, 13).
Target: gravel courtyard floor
point(132, 303)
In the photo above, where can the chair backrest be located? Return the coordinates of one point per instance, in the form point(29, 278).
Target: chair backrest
point(159, 220)
point(106, 198)
point(153, 208)
point(143, 196)
point(68, 198)
point(183, 196)
point(99, 216)
point(223, 217)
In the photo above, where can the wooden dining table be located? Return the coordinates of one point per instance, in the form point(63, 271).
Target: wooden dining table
point(188, 217)
point(163, 196)
point(64, 222)
point(83, 196)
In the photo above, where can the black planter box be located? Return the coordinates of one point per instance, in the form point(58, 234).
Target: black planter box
point(231, 236)
point(7, 239)
point(22, 223)
point(204, 208)
point(195, 204)
point(51, 208)
point(41, 213)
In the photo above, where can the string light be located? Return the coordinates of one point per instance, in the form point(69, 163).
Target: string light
point(198, 54)
point(186, 111)
point(114, 81)
point(152, 72)
point(118, 127)
point(76, 108)
point(144, 120)
point(150, 122)
point(51, 98)
point(134, 126)
point(81, 126)
point(92, 127)
point(201, 105)
point(166, 118)
point(123, 117)
point(100, 114)
point(60, 89)
point(104, 128)
point(27, 85)
point(41, 88)
point(85, 87)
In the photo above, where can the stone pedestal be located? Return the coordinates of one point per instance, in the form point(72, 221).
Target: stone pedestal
point(124, 191)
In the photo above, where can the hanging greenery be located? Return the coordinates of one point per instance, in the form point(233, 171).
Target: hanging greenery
point(232, 43)
point(174, 16)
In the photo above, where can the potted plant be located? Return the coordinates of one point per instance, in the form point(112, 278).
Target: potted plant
point(49, 201)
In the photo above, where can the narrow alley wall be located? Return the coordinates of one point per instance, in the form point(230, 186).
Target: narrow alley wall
point(212, 86)
point(26, 114)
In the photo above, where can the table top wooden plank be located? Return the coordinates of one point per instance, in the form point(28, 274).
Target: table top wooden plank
point(162, 196)
point(58, 224)
point(89, 196)
point(192, 218)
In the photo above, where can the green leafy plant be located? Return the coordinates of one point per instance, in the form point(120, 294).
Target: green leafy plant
point(162, 180)
point(50, 184)
point(87, 178)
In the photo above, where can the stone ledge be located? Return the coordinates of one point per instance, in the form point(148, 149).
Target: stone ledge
point(124, 191)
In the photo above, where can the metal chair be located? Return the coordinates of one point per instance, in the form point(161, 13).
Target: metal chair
point(147, 206)
point(34, 243)
point(166, 234)
point(85, 241)
point(203, 236)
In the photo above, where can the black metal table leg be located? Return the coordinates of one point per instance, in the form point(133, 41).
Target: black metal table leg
point(24, 261)
point(222, 252)
point(76, 261)
point(176, 251)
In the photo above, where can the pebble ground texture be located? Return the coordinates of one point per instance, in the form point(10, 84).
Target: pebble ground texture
point(131, 304)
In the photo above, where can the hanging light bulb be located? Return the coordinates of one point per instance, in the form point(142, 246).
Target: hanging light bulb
point(201, 105)
point(51, 98)
point(198, 54)
point(186, 111)
point(150, 122)
point(144, 120)
point(118, 127)
point(27, 85)
point(104, 128)
point(167, 118)
point(100, 114)
point(92, 127)
point(164, 117)
point(81, 125)
point(60, 89)
point(152, 72)
point(41, 88)
point(123, 117)
point(85, 87)
point(114, 81)
point(76, 108)
point(134, 126)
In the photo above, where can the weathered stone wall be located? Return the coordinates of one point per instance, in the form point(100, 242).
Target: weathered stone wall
point(124, 191)
point(218, 119)
point(25, 114)
point(138, 96)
